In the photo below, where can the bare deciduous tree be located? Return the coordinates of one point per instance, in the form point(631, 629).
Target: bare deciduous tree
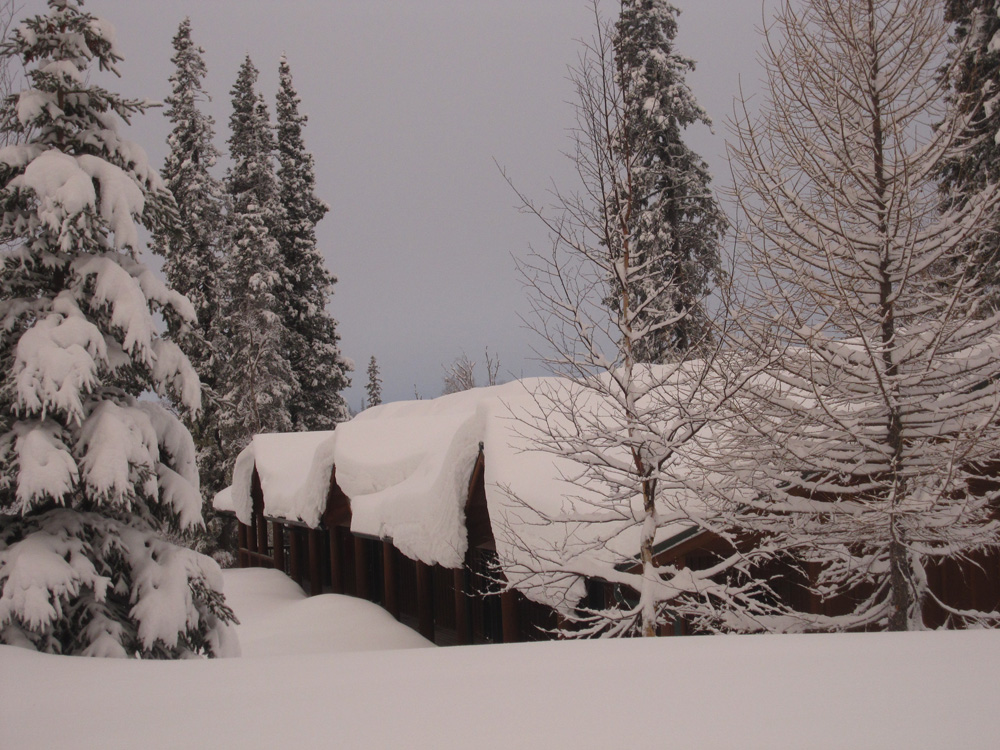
point(628, 432)
point(492, 368)
point(460, 375)
point(867, 441)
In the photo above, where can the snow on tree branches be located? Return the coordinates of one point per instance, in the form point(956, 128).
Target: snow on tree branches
point(192, 249)
point(259, 380)
point(669, 215)
point(374, 386)
point(632, 429)
point(867, 442)
point(313, 349)
point(975, 90)
point(88, 472)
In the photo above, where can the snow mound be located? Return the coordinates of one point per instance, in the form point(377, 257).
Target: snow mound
point(277, 618)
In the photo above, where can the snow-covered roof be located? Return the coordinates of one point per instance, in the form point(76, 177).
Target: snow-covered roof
point(292, 478)
point(406, 468)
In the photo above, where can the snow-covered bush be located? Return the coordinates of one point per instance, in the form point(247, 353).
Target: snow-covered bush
point(89, 474)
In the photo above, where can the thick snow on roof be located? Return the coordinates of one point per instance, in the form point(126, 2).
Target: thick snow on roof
point(224, 500)
point(406, 468)
point(287, 466)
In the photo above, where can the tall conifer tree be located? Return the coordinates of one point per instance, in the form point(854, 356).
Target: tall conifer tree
point(259, 381)
point(374, 386)
point(193, 259)
point(674, 222)
point(975, 91)
point(313, 349)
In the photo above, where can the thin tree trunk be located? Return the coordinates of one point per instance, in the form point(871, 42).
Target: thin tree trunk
point(900, 573)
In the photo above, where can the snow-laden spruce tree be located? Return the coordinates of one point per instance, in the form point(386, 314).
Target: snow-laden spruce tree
point(975, 83)
point(374, 385)
point(631, 428)
point(866, 442)
point(192, 249)
point(676, 223)
point(88, 472)
point(258, 379)
point(313, 349)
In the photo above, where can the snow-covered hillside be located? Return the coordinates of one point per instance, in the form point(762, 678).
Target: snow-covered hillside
point(912, 690)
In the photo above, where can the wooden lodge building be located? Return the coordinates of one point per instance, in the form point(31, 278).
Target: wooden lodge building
point(404, 506)
point(449, 606)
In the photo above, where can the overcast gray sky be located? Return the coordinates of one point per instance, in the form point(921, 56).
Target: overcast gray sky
point(409, 103)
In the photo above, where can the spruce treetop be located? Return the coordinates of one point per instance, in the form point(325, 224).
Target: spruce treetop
point(192, 264)
point(297, 166)
point(313, 340)
point(673, 223)
point(374, 386)
point(251, 141)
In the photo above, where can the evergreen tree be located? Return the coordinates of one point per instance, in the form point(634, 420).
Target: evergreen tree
point(89, 474)
point(374, 387)
point(673, 221)
point(313, 350)
point(193, 259)
point(258, 379)
point(975, 92)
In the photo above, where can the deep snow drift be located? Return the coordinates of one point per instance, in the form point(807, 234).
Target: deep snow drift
point(277, 618)
point(913, 690)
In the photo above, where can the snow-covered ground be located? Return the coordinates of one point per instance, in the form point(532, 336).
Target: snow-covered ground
point(310, 678)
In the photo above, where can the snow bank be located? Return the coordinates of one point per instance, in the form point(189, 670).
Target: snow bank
point(904, 690)
point(277, 618)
